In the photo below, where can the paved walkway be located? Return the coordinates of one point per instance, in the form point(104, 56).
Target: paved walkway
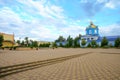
point(95, 66)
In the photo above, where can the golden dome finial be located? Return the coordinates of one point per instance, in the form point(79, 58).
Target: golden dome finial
point(91, 23)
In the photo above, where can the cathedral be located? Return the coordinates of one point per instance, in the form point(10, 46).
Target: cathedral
point(92, 33)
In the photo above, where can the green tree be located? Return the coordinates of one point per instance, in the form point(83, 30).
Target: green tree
point(1, 40)
point(117, 42)
point(54, 44)
point(60, 39)
point(18, 41)
point(104, 42)
point(70, 41)
point(26, 41)
point(76, 41)
point(61, 45)
point(23, 43)
point(35, 44)
point(93, 43)
point(83, 43)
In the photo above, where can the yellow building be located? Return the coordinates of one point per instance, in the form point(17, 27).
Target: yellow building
point(8, 40)
point(42, 42)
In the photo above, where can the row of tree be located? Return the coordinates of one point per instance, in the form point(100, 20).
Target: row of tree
point(27, 43)
point(30, 43)
point(70, 42)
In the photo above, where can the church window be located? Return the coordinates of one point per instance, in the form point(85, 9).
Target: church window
point(90, 31)
point(95, 31)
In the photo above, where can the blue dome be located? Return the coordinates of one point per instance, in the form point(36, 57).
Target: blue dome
point(92, 30)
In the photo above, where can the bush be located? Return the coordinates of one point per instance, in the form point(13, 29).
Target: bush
point(110, 45)
point(93, 43)
point(36, 48)
point(89, 45)
point(2, 48)
point(97, 46)
point(10, 48)
point(31, 47)
point(105, 47)
point(83, 43)
point(14, 48)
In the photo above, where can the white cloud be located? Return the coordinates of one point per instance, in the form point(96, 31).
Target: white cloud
point(43, 8)
point(43, 33)
point(110, 30)
point(112, 4)
point(7, 14)
point(72, 30)
point(49, 22)
point(102, 1)
point(36, 28)
point(10, 21)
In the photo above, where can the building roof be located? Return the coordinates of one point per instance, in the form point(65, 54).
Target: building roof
point(112, 38)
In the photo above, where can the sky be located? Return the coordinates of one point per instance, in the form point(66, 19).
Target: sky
point(46, 20)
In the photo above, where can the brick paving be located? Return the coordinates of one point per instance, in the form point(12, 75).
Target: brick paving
point(95, 66)
point(18, 57)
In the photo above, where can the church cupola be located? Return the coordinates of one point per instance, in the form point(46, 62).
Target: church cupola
point(92, 30)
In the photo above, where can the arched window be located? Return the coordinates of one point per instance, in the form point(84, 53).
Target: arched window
point(95, 31)
point(90, 31)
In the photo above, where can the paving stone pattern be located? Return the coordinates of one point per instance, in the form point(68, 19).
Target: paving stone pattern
point(95, 66)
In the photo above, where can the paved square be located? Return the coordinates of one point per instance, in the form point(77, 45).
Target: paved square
point(101, 64)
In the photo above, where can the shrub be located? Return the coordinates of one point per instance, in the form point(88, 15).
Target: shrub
point(83, 43)
point(10, 48)
point(89, 45)
point(14, 48)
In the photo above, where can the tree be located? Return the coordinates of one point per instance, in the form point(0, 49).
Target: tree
point(83, 42)
point(76, 41)
point(18, 41)
point(34, 44)
point(104, 42)
point(22, 43)
point(60, 39)
point(93, 43)
point(117, 42)
point(26, 40)
point(70, 41)
point(1, 40)
point(61, 45)
point(54, 44)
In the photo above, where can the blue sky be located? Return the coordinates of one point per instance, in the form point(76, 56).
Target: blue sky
point(45, 20)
